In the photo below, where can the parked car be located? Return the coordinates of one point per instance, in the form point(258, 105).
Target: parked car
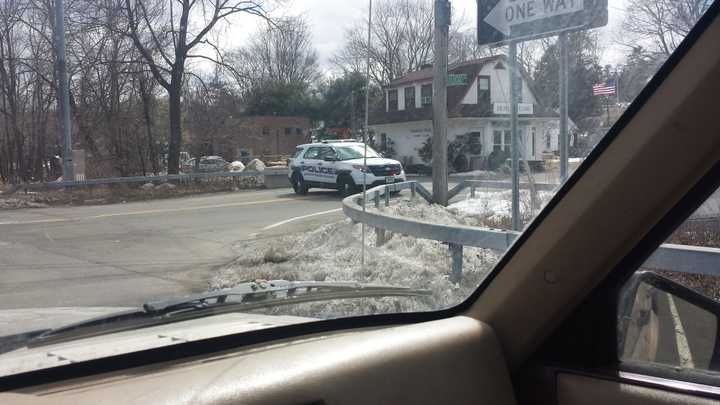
point(208, 164)
point(340, 165)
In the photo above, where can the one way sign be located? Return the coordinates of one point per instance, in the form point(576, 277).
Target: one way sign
point(502, 21)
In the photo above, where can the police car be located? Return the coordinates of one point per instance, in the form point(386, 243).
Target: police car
point(338, 164)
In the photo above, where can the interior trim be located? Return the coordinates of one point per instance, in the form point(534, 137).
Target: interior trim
point(681, 386)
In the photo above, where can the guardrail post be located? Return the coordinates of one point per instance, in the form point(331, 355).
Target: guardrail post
point(377, 200)
point(387, 197)
point(456, 253)
point(472, 192)
point(379, 237)
point(412, 190)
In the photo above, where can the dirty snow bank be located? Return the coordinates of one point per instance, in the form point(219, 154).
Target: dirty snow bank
point(488, 209)
point(332, 253)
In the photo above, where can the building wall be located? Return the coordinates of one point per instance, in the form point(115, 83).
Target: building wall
point(262, 136)
point(408, 137)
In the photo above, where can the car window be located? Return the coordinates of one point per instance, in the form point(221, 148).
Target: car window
point(355, 152)
point(312, 153)
point(95, 222)
point(669, 311)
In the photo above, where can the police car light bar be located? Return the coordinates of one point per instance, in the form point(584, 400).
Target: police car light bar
point(340, 141)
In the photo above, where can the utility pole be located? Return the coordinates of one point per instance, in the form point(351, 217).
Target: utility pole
point(515, 143)
point(440, 119)
point(63, 97)
point(365, 131)
point(563, 80)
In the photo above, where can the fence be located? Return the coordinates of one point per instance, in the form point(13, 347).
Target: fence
point(668, 257)
point(150, 179)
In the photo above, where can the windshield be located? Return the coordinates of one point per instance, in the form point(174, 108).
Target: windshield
point(116, 195)
point(355, 152)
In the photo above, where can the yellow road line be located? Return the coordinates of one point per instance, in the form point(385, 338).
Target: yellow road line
point(149, 212)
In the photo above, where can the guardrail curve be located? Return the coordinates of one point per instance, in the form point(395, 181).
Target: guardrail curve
point(668, 257)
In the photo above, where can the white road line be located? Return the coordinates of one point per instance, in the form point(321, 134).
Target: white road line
point(287, 221)
point(149, 212)
point(686, 360)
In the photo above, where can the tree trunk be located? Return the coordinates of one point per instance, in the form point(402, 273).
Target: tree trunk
point(173, 159)
point(147, 112)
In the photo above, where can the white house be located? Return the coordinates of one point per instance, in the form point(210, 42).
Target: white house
point(478, 111)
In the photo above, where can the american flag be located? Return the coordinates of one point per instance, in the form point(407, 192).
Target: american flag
point(604, 89)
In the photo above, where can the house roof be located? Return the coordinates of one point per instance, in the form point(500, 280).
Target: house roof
point(427, 73)
point(455, 95)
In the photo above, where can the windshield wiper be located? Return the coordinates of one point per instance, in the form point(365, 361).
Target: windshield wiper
point(244, 297)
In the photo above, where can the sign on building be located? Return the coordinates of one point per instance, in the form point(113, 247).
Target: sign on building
point(501, 21)
point(457, 79)
point(504, 108)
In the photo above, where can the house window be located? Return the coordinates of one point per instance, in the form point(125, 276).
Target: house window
point(483, 90)
point(288, 131)
point(501, 140)
point(266, 131)
point(392, 100)
point(426, 94)
point(298, 131)
point(532, 134)
point(548, 139)
point(409, 98)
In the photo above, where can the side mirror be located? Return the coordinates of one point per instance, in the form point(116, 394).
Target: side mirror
point(663, 322)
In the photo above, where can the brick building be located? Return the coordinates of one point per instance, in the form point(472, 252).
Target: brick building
point(261, 136)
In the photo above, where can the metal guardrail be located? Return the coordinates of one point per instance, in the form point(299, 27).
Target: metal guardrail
point(143, 179)
point(668, 257)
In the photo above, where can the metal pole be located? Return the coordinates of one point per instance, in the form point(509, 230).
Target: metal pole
point(63, 96)
point(514, 149)
point(563, 80)
point(367, 115)
point(440, 77)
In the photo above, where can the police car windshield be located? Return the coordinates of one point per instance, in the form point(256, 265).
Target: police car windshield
point(355, 152)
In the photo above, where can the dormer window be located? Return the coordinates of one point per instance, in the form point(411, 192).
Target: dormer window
point(483, 90)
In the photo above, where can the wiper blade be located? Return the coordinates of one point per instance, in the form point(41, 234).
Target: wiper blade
point(267, 292)
point(244, 297)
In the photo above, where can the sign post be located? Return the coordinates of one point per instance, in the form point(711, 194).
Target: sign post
point(563, 136)
point(439, 103)
point(507, 22)
point(515, 142)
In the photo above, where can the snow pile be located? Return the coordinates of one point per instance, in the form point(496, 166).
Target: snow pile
point(332, 253)
point(17, 203)
point(496, 206)
point(491, 209)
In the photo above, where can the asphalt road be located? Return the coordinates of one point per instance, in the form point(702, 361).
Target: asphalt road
point(126, 254)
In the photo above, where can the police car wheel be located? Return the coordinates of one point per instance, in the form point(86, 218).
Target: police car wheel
point(299, 184)
point(346, 186)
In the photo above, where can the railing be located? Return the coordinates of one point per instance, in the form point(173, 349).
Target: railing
point(668, 257)
point(144, 179)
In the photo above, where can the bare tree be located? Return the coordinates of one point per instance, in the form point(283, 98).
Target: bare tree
point(281, 53)
point(165, 32)
point(663, 22)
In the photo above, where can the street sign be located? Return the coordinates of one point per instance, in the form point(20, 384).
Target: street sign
point(501, 21)
point(457, 79)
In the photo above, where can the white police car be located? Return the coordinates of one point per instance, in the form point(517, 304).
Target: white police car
point(338, 165)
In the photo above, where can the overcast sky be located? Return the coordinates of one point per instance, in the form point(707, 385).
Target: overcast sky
point(329, 19)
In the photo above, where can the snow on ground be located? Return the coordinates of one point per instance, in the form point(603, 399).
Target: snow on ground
point(332, 253)
point(488, 209)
